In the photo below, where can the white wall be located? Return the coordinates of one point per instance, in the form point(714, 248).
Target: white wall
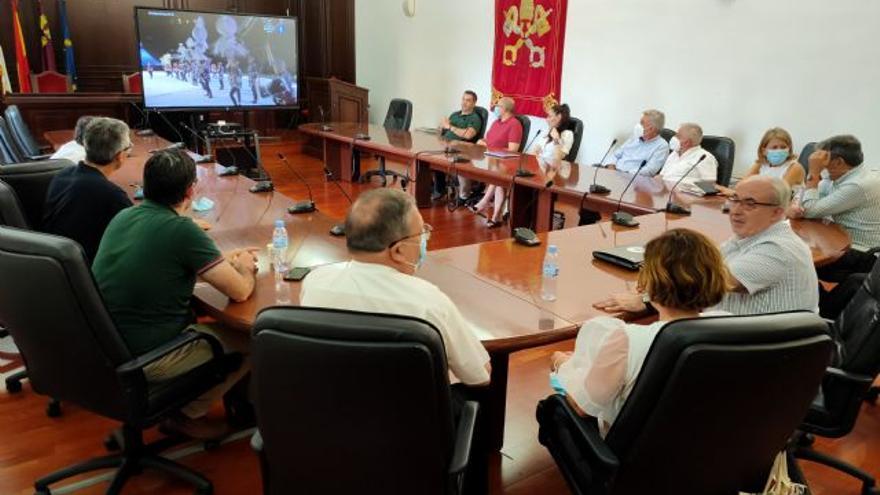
point(736, 67)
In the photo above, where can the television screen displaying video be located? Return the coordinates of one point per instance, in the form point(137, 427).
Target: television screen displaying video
point(198, 60)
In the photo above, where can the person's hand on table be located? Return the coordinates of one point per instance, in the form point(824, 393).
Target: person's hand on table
point(243, 260)
point(795, 211)
point(625, 301)
point(611, 166)
point(723, 190)
point(558, 358)
point(202, 224)
point(482, 142)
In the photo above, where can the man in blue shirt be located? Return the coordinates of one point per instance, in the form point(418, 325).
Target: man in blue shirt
point(645, 145)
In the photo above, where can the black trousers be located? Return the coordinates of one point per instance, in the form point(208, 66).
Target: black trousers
point(476, 477)
point(832, 303)
point(853, 261)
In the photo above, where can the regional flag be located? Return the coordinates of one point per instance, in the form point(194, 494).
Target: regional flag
point(46, 39)
point(21, 62)
point(68, 44)
point(5, 85)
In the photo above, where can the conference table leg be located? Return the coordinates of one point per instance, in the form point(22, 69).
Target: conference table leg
point(423, 182)
point(496, 401)
point(531, 208)
point(337, 159)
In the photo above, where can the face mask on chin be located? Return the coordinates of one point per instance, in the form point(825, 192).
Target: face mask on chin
point(638, 130)
point(675, 144)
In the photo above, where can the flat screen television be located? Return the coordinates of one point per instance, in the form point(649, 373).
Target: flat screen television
point(201, 60)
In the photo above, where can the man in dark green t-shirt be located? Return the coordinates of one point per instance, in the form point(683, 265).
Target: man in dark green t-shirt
point(146, 269)
point(463, 125)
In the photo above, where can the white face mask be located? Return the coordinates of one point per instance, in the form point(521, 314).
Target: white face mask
point(638, 130)
point(674, 144)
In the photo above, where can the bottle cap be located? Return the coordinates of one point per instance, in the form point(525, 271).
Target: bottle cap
point(552, 249)
point(279, 224)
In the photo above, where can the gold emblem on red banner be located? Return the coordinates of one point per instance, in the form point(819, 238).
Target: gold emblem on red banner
point(527, 23)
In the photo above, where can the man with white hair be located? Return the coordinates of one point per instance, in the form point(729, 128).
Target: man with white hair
point(646, 145)
point(772, 268)
point(686, 152)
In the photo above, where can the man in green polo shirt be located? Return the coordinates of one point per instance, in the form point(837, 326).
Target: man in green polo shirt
point(146, 269)
point(462, 125)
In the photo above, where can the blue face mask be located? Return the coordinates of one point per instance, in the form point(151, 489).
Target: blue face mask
point(202, 204)
point(496, 111)
point(777, 157)
point(423, 250)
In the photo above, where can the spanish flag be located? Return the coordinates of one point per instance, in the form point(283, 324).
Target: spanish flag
point(46, 39)
point(22, 67)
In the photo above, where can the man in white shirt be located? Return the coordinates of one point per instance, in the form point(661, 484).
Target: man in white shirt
point(74, 150)
point(772, 267)
point(686, 152)
point(387, 240)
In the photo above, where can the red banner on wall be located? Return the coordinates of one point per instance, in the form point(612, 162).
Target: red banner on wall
point(527, 64)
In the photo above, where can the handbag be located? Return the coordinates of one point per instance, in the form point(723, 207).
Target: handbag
point(779, 483)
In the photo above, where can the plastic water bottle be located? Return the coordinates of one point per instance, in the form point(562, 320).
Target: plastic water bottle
point(279, 262)
point(279, 247)
point(550, 273)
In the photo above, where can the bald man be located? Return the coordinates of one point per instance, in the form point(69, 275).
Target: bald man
point(387, 241)
point(771, 266)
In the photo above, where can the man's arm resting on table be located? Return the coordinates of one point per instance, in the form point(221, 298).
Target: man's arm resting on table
point(236, 283)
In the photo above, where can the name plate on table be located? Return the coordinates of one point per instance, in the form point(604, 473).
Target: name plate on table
point(502, 154)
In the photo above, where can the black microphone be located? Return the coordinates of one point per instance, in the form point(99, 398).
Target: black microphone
point(676, 208)
point(324, 126)
point(339, 228)
point(622, 217)
point(203, 158)
point(520, 171)
point(598, 188)
point(306, 206)
point(145, 122)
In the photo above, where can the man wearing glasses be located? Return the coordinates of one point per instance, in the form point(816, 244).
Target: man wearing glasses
point(81, 200)
point(772, 267)
point(387, 240)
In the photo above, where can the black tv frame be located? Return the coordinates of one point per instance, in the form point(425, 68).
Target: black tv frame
point(295, 106)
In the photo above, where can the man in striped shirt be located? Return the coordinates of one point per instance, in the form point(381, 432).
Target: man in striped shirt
point(853, 203)
point(771, 266)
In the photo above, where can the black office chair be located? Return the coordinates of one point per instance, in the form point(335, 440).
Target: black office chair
point(577, 128)
point(526, 124)
point(715, 401)
point(723, 149)
point(8, 150)
point(73, 352)
point(667, 134)
point(484, 126)
point(350, 402)
point(31, 182)
point(399, 117)
point(804, 157)
point(21, 135)
point(847, 381)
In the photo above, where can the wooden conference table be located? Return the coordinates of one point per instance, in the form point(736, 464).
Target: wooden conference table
point(494, 284)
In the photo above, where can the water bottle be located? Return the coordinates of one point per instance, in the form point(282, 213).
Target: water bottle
point(550, 273)
point(279, 247)
point(279, 262)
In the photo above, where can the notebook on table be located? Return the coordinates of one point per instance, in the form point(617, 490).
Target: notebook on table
point(629, 257)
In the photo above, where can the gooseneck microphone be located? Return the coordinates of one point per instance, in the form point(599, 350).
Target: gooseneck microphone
point(520, 171)
point(676, 208)
point(339, 228)
point(598, 188)
point(324, 126)
point(622, 217)
point(306, 206)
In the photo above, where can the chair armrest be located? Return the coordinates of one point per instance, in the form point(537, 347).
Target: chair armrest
point(464, 437)
point(185, 338)
point(602, 454)
point(861, 381)
point(257, 442)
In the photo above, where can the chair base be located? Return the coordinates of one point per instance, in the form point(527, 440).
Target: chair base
point(13, 381)
point(808, 454)
point(384, 174)
point(134, 458)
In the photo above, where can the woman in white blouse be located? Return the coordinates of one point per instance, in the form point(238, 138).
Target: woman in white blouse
point(683, 274)
point(551, 150)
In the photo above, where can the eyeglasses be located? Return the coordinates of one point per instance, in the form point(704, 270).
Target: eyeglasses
point(426, 231)
point(747, 204)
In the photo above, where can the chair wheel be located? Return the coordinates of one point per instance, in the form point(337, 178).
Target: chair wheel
point(403, 183)
point(42, 491)
point(872, 395)
point(13, 386)
point(53, 408)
